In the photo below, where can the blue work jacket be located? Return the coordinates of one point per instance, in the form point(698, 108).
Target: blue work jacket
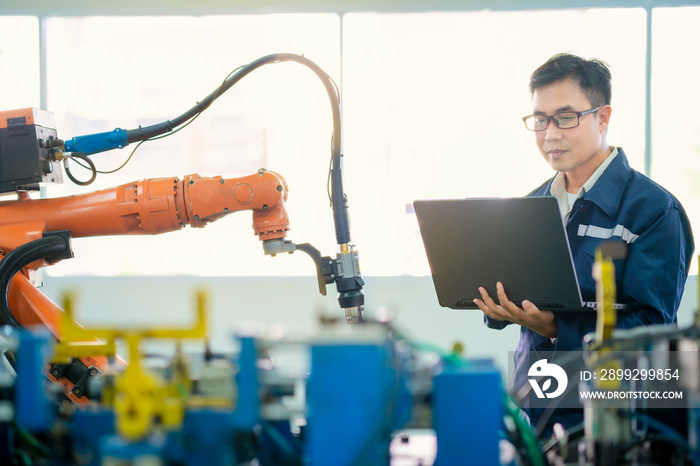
point(622, 204)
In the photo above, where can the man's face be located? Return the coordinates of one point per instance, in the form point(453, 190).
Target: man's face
point(578, 150)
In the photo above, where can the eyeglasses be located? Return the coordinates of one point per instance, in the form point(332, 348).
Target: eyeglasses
point(562, 120)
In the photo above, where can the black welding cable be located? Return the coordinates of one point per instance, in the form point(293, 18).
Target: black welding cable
point(16, 260)
point(338, 198)
point(148, 132)
point(337, 194)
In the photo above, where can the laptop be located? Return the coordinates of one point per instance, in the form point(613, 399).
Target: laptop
point(520, 242)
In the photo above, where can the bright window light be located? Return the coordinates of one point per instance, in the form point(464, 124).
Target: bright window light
point(433, 107)
point(19, 62)
point(675, 98)
point(124, 72)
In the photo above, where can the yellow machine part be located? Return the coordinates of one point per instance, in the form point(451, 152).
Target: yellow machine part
point(606, 295)
point(138, 396)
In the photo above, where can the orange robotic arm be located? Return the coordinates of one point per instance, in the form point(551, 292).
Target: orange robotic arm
point(149, 206)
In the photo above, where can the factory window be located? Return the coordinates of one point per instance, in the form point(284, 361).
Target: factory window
point(433, 107)
point(675, 96)
point(19, 62)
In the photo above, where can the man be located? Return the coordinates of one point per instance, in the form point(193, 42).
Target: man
point(600, 197)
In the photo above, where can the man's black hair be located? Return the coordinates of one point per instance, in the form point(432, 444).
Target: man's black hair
point(592, 76)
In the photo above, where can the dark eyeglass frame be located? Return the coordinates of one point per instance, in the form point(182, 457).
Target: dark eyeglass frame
point(552, 118)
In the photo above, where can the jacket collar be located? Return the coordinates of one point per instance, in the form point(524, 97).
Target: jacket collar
point(607, 192)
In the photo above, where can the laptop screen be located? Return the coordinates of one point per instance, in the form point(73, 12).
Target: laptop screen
point(520, 242)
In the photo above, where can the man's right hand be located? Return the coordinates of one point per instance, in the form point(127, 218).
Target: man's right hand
point(530, 316)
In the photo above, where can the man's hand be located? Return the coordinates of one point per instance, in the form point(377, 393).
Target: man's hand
point(542, 322)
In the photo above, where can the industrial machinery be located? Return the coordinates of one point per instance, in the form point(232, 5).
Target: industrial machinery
point(31, 154)
point(638, 389)
point(247, 408)
point(38, 232)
